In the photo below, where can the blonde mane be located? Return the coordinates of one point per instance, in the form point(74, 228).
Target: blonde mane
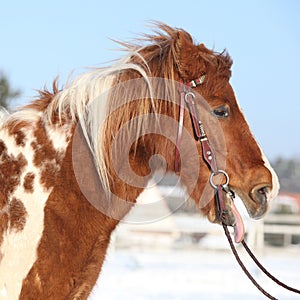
point(90, 98)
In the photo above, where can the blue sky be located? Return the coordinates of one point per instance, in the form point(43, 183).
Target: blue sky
point(43, 39)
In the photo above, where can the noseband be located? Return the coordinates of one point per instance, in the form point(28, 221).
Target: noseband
point(222, 191)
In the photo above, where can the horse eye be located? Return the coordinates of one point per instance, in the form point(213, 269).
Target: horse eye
point(221, 112)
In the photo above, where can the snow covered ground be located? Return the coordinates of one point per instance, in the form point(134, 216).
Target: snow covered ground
point(162, 274)
point(154, 261)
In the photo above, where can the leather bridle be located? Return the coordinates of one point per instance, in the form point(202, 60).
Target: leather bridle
point(187, 97)
point(222, 191)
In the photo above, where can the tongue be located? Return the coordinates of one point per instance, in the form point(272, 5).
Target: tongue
point(239, 229)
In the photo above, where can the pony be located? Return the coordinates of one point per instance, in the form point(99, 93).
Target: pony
point(74, 161)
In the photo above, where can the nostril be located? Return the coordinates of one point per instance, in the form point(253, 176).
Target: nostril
point(260, 193)
point(264, 190)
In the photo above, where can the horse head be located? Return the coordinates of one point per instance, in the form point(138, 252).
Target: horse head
point(250, 173)
point(140, 130)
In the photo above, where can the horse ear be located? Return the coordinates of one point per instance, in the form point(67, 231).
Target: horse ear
point(188, 57)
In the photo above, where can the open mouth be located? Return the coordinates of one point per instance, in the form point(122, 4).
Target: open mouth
point(225, 212)
point(230, 216)
point(256, 205)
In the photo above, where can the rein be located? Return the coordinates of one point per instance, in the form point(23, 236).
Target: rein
point(222, 191)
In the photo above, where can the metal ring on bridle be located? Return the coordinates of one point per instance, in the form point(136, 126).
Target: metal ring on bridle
point(214, 174)
point(189, 94)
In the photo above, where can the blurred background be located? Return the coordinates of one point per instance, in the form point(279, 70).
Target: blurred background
point(181, 256)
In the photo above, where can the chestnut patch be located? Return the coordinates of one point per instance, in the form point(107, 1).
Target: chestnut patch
point(11, 168)
point(28, 182)
point(17, 215)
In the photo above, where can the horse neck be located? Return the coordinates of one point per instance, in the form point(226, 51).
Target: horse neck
point(66, 233)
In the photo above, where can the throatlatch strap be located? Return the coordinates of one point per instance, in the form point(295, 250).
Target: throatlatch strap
point(179, 133)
